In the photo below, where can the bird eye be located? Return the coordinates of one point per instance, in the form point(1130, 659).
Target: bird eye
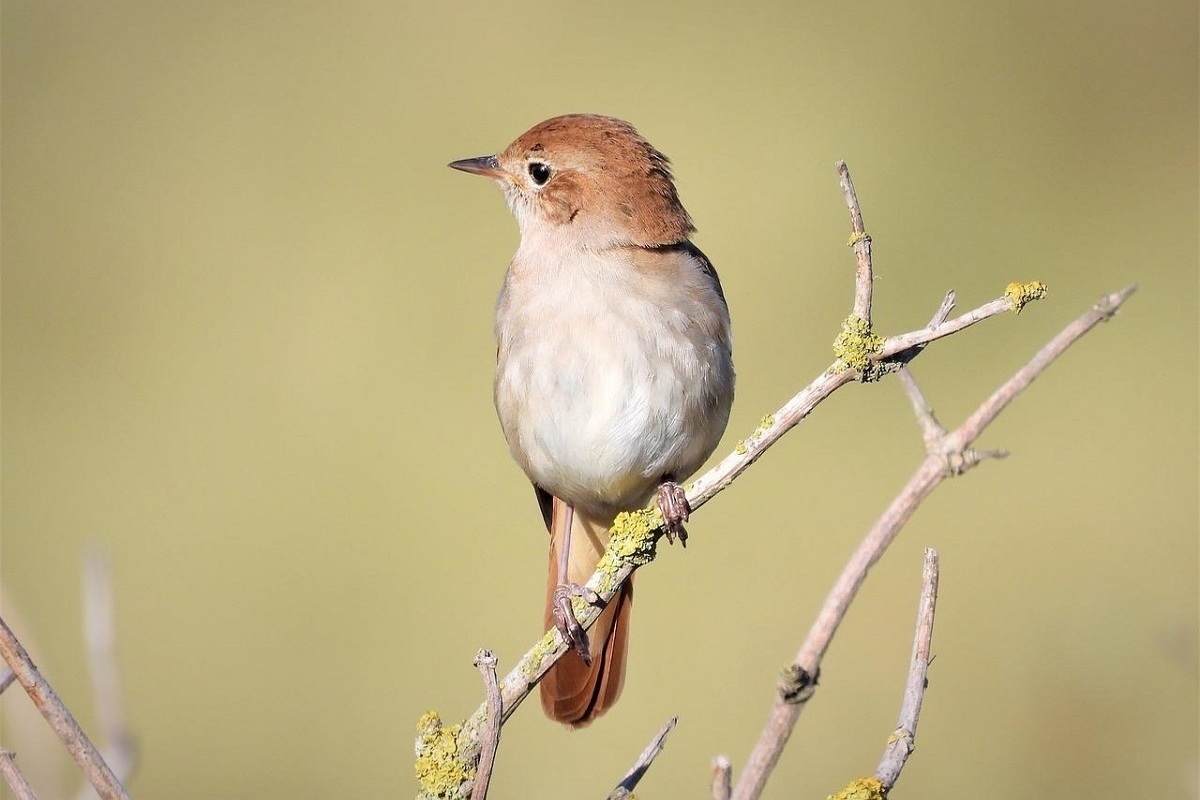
point(539, 172)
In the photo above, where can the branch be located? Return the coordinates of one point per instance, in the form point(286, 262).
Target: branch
point(722, 785)
point(931, 430)
point(900, 744)
point(13, 777)
point(951, 455)
point(485, 660)
point(625, 788)
point(51, 707)
point(864, 280)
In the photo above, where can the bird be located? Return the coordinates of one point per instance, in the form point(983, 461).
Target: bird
point(614, 369)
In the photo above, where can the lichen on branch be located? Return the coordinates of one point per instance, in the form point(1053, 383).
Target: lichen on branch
point(854, 347)
point(1020, 295)
point(441, 767)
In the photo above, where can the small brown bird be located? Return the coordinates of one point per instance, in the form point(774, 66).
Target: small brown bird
point(614, 373)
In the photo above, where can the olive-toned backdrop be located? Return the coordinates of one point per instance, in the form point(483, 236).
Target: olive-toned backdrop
point(247, 347)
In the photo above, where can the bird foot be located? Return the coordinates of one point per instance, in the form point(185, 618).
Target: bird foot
point(565, 621)
point(673, 504)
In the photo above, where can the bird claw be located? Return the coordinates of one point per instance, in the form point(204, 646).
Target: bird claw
point(565, 621)
point(673, 505)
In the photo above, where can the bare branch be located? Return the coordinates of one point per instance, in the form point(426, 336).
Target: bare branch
point(722, 778)
point(51, 707)
point(7, 676)
point(773, 427)
point(943, 312)
point(13, 777)
point(625, 788)
point(896, 344)
point(952, 456)
point(485, 660)
point(932, 431)
point(864, 277)
point(902, 741)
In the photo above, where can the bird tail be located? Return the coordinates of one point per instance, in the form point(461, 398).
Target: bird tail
point(574, 692)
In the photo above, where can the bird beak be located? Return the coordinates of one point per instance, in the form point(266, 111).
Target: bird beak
point(484, 165)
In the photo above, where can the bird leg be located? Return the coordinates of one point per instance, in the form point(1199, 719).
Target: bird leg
point(673, 504)
point(564, 614)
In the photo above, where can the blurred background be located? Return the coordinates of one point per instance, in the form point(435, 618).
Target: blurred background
point(247, 348)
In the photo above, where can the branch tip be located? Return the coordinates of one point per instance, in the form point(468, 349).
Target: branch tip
point(864, 276)
point(1111, 303)
point(902, 741)
point(722, 778)
point(931, 430)
point(489, 741)
point(943, 312)
point(625, 788)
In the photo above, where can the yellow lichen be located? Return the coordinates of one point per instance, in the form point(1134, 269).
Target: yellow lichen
point(440, 768)
point(855, 238)
point(743, 445)
point(544, 647)
point(631, 538)
point(1020, 295)
point(854, 347)
point(861, 789)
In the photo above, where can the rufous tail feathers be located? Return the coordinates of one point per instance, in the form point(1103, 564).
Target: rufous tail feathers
point(573, 692)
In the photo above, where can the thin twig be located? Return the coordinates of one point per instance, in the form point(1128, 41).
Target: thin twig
point(864, 277)
point(489, 740)
point(940, 316)
point(99, 627)
point(931, 430)
point(895, 344)
point(627, 784)
point(902, 741)
point(952, 457)
point(12, 776)
point(51, 707)
point(722, 778)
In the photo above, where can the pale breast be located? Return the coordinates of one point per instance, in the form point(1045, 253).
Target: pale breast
point(611, 376)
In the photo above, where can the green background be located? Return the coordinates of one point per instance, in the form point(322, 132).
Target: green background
point(247, 346)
